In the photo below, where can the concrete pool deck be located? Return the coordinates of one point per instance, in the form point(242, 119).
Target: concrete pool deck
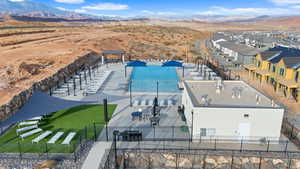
point(116, 91)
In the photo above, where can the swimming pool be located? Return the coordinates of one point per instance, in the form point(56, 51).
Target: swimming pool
point(144, 79)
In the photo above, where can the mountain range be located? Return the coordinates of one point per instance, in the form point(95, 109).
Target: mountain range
point(29, 7)
point(34, 11)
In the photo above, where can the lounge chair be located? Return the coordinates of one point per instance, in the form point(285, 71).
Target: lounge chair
point(143, 103)
point(55, 137)
point(69, 138)
point(150, 102)
point(194, 73)
point(197, 78)
point(31, 133)
point(24, 123)
point(41, 137)
point(170, 102)
point(162, 103)
point(36, 118)
point(26, 128)
point(136, 103)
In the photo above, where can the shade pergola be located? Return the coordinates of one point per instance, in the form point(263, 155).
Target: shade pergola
point(40, 104)
point(174, 63)
point(135, 63)
point(113, 52)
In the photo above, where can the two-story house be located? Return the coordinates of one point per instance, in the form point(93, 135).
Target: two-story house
point(279, 67)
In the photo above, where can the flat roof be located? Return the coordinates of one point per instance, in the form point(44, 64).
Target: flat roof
point(232, 94)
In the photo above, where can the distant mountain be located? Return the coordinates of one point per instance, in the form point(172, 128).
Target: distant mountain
point(290, 22)
point(221, 18)
point(38, 12)
point(29, 8)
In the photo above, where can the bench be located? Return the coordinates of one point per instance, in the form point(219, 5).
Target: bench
point(26, 128)
point(69, 138)
point(31, 133)
point(55, 137)
point(28, 123)
point(41, 137)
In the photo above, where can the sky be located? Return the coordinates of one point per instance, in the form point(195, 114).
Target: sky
point(177, 7)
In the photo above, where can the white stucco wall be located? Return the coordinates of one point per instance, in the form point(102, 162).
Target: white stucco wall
point(226, 121)
point(263, 122)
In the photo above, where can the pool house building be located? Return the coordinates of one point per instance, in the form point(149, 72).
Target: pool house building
point(230, 110)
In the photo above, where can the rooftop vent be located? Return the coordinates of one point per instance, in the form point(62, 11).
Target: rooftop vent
point(272, 103)
point(219, 86)
point(237, 92)
point(257, 99)
point(205, 100)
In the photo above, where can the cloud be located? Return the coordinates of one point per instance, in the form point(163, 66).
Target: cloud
point(70, 10)
point(286, 2)
point(158, 13)
point(216, 10)
point(16, 0)
point(80, 11)
point(147, 12)
point(70, 1)
point(106, 7)
point(62, 9)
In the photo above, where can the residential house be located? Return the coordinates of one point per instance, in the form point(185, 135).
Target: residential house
point(238, 53)
point(280, 67)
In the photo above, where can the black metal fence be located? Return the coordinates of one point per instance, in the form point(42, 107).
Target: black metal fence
point(42, 151)
point(110, 159)
point(151, 154)
point(151, 138)
point(183, 135)
point(178, 140)
point(290, 129)
point(198, 159)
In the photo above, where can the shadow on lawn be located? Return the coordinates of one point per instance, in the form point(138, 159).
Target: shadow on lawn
point(74, 110)
point(11, 139)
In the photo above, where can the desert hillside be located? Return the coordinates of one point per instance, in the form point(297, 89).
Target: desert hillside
point(291, 23)
point(31, 54)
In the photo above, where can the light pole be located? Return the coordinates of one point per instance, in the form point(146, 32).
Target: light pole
point(106, 117)
point(130, 92)
point(74, 86)
point(157, 90)
point(192, 129)
point(116, 133)
point(80, 82)
point(68, 89)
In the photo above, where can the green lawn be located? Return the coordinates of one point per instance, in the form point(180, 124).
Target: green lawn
point(78, 119)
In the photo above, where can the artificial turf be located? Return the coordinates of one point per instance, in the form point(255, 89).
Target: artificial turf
point(77, 119)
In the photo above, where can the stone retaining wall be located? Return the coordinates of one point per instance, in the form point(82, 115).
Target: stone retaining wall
point(45, 84)
point(189, 161)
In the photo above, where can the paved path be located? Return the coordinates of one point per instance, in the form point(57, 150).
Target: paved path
point(95, 155)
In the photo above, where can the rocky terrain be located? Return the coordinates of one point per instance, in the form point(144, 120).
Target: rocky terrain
point(169, 160)
point(32, 51)
point(29, 55)
point(289, 23)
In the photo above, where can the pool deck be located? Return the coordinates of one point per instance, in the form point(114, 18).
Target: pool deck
point(116, 91)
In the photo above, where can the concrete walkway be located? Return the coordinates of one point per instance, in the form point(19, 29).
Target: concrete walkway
point(94, 158)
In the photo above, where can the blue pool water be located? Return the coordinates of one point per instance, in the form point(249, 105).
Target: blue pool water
point(144, 79)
